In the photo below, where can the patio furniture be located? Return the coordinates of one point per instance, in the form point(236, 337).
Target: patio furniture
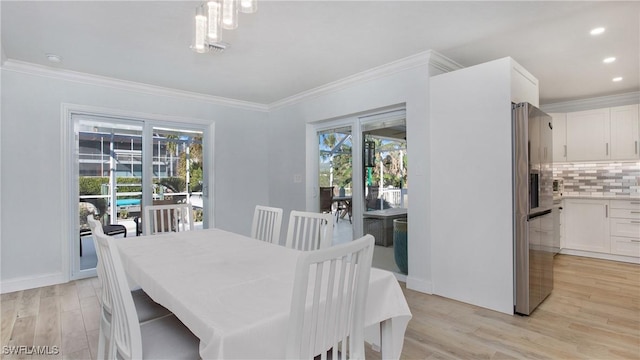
point(326, 199)
point(309, 231)
point(343, 207)
point(336, 316)
point(379, 223)
point(266, 224)
point(111, 230)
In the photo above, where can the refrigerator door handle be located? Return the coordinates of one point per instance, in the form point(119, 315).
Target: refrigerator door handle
point(538, 214)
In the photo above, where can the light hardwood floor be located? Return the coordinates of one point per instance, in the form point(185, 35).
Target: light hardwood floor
point(593, 313)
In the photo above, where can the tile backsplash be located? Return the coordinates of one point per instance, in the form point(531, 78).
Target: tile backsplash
point(599, 178)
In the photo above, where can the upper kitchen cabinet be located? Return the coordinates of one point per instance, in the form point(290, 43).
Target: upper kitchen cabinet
point(559, 121)
point(625, 133)
point(588, 134)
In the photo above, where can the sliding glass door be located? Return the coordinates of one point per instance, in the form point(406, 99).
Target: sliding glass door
point(178, 169)
point(121, 165)
point(335, 179)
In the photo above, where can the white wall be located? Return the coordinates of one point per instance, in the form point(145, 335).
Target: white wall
point(287, 149)
point(32, 243)
point(471, 182)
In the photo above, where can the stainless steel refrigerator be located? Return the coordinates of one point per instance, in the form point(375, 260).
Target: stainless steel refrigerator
point(533, 206)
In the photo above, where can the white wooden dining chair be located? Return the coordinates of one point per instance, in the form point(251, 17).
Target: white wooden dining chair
point(162, 338)
point(266, 225)
point(309, 231)
point(146, 308)
point(328, 303)
point(167, 218)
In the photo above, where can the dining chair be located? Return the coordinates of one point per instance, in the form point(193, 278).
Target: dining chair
point(162, 338)
point(146, 308)
point(328, 303)
point(309, 231)
point(167, 218)
point(266, 225)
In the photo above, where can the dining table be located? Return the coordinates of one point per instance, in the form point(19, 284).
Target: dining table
point(234, 292)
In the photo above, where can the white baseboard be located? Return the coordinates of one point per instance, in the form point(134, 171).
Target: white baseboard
point(31, 282)
point(420, 285)
point(595, 255)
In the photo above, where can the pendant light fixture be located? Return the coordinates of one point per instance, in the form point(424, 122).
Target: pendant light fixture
point(215, 15)
point(248, 6)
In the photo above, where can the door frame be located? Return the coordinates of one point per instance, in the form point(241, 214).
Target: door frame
point(69, 192)
point(313, 167)
point(356, 123)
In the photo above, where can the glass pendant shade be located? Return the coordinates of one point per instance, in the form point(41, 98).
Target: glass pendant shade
point(229, 14)
point(200, 44)
point(214, 33)
point(248, 6)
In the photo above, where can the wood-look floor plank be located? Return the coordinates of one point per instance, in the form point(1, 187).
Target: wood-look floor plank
point(22, 335)
point(8, 315)
point(74, 336)
point(48, 326)
point(29, 303)
point(593, 313)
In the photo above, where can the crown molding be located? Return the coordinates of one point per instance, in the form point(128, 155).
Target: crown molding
point(442, 63)
point(428, 57)
point(593, 103)
point(97, 80)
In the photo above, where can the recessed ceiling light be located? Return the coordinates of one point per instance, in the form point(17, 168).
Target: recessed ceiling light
point(54, 58)
point(609, 60)
point(597, 31)
point(616, 79)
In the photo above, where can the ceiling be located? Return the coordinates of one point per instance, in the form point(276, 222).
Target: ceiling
point(288, 47)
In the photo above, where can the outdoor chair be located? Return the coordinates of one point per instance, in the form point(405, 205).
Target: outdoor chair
point(326, 199)
point(110, 230)
point(328, 303)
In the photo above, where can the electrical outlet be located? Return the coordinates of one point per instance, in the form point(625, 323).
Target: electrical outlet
point(297, 178)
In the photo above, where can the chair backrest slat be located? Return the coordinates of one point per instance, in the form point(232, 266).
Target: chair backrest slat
point(328, 302)
point(309, 231)
point(127, 339)
point(167, 218)
point(266, 225)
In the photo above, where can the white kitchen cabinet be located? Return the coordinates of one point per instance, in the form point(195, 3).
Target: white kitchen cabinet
point(625, 227)
point(625, 133)
point(559, 121)
point(586, 225)
point(588, 135)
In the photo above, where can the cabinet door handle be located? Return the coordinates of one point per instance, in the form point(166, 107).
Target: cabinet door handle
point(635, 212)
point(635, 203)
point(607, 148)
point(632, 240)
point(635, 222)
point(565, 150)
point(606, 211)
point(636, 147)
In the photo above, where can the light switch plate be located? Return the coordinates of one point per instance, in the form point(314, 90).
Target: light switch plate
point(297, 178)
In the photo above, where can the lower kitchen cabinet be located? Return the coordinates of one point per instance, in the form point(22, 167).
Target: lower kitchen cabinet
point(586, 225)
point(602, 227)
point(625, 227)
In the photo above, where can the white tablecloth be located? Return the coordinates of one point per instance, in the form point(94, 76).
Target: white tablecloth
point(234, 292)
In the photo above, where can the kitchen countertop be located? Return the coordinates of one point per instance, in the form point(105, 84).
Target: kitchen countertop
point(595, 197)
